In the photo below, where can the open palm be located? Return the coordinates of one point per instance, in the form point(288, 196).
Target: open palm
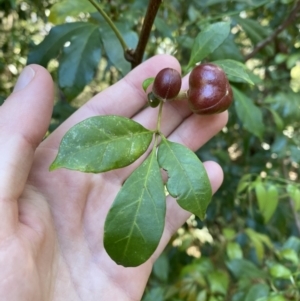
point(51, 223)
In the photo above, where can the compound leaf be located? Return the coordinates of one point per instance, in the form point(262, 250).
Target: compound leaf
point(102, 143)
point(135, 222)
point(188, 180)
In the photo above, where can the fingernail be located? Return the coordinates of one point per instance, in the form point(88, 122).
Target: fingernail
point(24, 79)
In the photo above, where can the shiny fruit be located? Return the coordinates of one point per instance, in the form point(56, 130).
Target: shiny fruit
point(209, 90)
point(167, 84)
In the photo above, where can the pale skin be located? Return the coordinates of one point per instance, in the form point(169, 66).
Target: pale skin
point(51, 223)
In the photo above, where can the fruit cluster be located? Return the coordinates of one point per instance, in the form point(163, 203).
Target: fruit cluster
point(209, 89)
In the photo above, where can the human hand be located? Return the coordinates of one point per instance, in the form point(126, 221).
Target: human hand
point(51, 223)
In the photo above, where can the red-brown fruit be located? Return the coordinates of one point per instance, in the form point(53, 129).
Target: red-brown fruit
point(167, 84)
point(209, 90)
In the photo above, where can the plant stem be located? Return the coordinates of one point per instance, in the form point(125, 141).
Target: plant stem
point(159, 117)
point(291, 17)
point(111, 24)
point(137, 55)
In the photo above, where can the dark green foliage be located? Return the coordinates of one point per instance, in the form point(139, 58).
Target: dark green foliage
point(252, 249)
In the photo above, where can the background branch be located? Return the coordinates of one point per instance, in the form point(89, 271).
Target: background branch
point(291, 17)
point(136, 56)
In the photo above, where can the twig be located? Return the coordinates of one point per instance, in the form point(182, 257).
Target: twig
point(136, 56)
point(291, 17)
point(111, 24)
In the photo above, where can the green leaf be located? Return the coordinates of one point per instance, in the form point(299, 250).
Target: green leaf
point(257, 291)
point(208, 40)
point(249, 114)
point(280, 271)
point(234, 69)
point(113, 48)
point(59, 11)
point(272, 203)
point(267, 200)
point(50, 47)
point(161, 267)
point(294, 194)
point(261, 195)
point(188, 180)
point(244, 268)
point(218, 282)
point(79, 60)
point(244, 183)
point(234, 250)
point(135, 222)
point(147, 82)
point(277, 119)
point(102, 143)
point(290, 255)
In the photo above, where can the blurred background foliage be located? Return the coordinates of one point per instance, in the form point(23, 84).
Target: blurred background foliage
point(248, 247)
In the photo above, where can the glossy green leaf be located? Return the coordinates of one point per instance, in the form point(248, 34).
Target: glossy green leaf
point(249, 114)
point(147, 82)
point(60, 10)
point(188, 180)
point(102, 143)
point(280, 271)
point(135, 222)
point(50, 47)
point(208, 40)
point(257, 291)
point(234, 69)
point(79, 60)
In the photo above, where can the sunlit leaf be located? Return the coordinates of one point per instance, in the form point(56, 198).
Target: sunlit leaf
point(234, 69)
point(60, 10)
point(102, 143)
point(135, 222)
point(280, 271)
point(208, 40)
point(234, 250)
point(188, 180)
point(290, 255)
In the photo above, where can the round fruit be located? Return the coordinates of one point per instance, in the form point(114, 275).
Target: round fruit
point(209, 90)
point(152, 100)
point(167, 84)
